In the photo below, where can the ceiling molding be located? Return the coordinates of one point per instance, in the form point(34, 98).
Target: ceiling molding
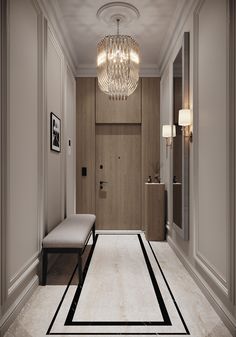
point(181, 15)
point(89, 70)
point(149, 70)
point(86, 70)
point(172, 28)
point(50, 12)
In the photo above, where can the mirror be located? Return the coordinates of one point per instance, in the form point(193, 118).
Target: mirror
point(180, 142)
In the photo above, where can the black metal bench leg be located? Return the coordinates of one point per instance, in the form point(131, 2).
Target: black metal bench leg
point(93, 234)
point(45, 267)
point(80, 269)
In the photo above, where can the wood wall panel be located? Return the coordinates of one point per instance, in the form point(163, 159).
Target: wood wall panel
point(85, 144)
point(147, 101)
point(150, 130)
point(109, 111)
point(70, 117)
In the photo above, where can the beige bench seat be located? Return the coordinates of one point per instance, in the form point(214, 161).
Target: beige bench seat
point(71, 232)
point(70, 236)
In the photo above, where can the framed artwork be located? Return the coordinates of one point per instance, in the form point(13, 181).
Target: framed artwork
point(55, 131)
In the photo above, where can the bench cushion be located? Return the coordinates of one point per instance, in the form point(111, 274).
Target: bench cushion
point(71, 232)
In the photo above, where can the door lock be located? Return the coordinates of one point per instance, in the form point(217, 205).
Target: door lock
point(102, 183)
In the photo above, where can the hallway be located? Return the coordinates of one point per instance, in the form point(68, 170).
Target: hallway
point(117, 122)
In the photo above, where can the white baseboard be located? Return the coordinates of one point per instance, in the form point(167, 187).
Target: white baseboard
point(228, 319)
point(23, 276)
point(9, 317)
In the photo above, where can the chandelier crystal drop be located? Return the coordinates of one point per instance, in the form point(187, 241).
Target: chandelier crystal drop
point(118, 65)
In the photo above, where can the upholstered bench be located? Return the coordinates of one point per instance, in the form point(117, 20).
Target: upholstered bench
point(70, 236)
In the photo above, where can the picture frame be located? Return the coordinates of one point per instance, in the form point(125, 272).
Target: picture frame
point(55, 133)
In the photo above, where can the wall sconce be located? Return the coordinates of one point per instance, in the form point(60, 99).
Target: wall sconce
point(185, 120)
point(168, 132)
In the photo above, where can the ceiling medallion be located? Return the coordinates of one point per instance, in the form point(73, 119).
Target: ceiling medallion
point(118, 55)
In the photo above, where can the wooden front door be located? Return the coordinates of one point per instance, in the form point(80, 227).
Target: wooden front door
point(118, 176)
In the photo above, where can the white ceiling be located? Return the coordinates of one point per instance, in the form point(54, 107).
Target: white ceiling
point(83, 30)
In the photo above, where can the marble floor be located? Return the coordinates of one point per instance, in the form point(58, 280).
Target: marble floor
point(126, 294)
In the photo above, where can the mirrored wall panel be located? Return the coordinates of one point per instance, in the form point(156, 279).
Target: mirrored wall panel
point(180, 142)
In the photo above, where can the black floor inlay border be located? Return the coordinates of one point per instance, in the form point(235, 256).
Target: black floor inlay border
point(166, 319)
point(166, 322)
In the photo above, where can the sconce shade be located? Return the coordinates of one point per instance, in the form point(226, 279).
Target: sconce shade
point(168, 131)
point(185, 117)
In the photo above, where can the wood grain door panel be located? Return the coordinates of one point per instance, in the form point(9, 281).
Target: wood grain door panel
point(118, 162)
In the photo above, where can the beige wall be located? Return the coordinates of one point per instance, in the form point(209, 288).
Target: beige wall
point(34, 180)
point(55, 197)
point(212, 174)
point(23, 155)
point(22, 152)
point(209, 253)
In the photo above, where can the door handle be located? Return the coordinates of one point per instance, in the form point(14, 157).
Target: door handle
point(101, 184)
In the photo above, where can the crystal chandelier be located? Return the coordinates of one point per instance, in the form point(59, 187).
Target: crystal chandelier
point(118, 65)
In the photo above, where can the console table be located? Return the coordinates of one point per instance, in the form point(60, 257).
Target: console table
point(154, 211)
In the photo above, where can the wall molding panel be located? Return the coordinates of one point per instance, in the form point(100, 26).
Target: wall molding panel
point(20, 263)
point(55, 170)
point(210, 253)
point(20, 275)
point(222, 281)
point(226, 316)
point(16, 287)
